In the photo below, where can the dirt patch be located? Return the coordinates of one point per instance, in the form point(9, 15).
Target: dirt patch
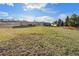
point(71, 28)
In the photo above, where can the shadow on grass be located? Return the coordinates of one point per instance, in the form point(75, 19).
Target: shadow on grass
point(23, 26)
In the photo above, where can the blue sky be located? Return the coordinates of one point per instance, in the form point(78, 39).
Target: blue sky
point(37, 11)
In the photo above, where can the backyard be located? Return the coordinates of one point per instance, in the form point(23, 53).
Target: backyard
point(39, 41)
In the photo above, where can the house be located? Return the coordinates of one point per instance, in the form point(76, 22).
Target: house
point(46, 24)
point(53, 24)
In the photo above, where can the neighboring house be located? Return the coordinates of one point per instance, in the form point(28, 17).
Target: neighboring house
point(53, 24)
point(46, 24)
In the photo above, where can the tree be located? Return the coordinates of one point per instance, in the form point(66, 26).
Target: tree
point(60, 22)
point(67, 21)
point(1, 19)
point(77, 22)
point(74, 17)
point(73, 20)
point(55, 22)
point(78, 18)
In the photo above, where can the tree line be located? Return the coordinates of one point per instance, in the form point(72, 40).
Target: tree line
point(73, 20)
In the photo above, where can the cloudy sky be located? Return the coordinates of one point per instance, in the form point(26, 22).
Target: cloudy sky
point(47, 12)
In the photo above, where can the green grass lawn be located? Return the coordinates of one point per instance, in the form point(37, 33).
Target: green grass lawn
point(39, 41)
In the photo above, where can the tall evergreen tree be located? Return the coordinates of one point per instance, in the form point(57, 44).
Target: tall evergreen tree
point(55, 22)
point(67, 21)
point(60, 22)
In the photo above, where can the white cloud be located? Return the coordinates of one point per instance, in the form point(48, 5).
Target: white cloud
point(37, 19)
point(62, 16)
point(9, 4)
point(45, 19)
point(39, 6)
point(34, 5)
point(10, 17)
point(49, 11)
point(3, 13)
point(27, 18)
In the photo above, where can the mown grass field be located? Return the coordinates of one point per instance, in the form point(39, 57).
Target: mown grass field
point(40, 40)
